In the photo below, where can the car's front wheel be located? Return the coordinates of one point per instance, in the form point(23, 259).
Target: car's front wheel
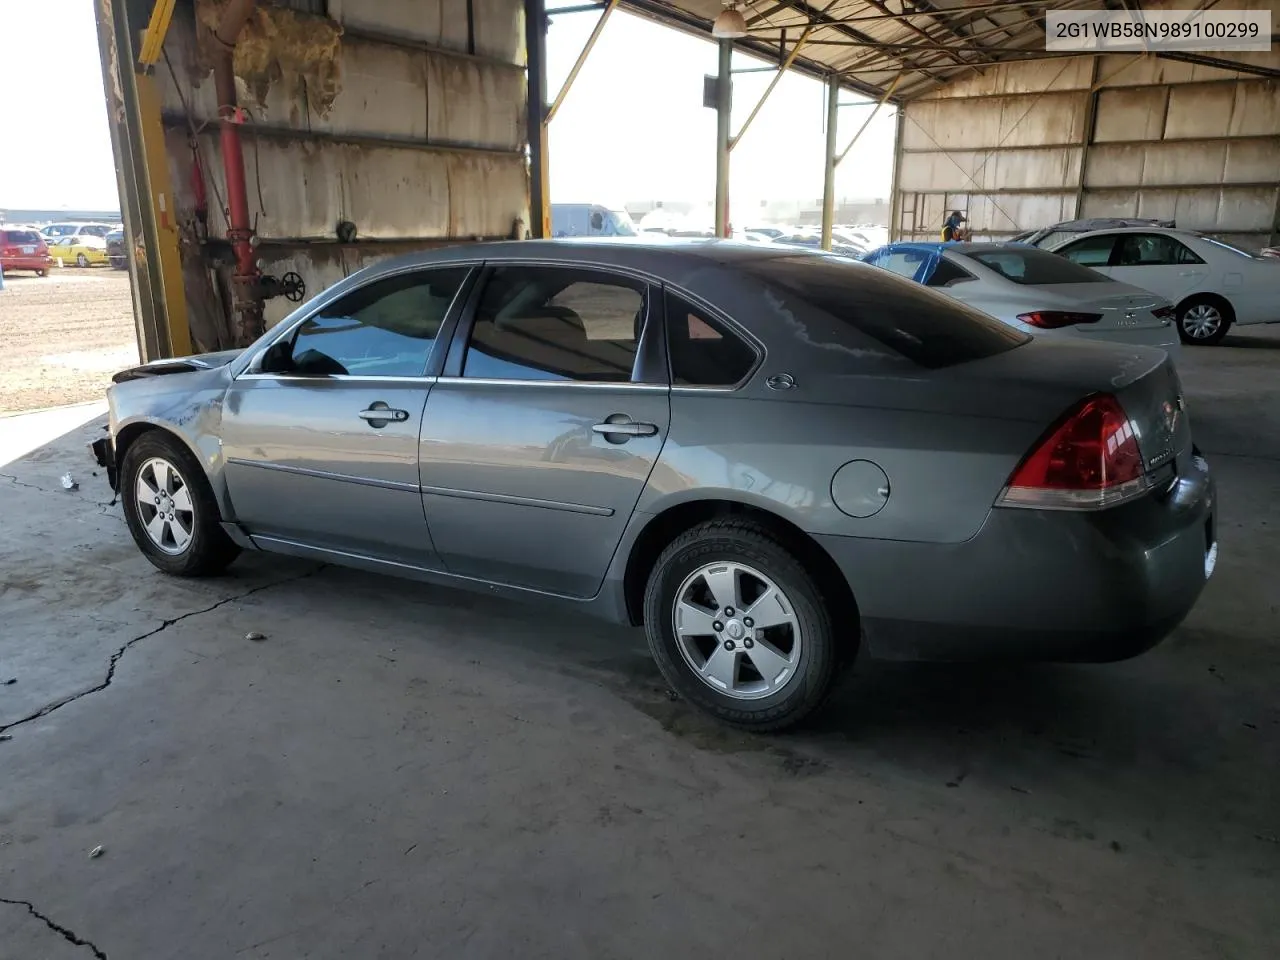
point(1203, 321)
point(738, 627)
point(171, 510)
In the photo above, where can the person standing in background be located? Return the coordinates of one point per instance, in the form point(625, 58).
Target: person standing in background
point(951, 229)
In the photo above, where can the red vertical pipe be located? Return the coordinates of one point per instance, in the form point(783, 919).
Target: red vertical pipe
point(245, 283)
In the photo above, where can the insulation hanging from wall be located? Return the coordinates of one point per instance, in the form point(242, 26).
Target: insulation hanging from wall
point(279, 46)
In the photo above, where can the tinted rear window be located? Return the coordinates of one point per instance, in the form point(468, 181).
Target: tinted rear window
point(1034, 268)
point(21, 236)
point(930, 329)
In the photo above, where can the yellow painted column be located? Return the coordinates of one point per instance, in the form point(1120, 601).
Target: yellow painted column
point(165, 216)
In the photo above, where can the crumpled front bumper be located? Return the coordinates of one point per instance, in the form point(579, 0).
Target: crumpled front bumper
point(104, 452)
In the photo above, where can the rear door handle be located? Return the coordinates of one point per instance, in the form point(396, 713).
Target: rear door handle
point(628, 428)
point(379, 415)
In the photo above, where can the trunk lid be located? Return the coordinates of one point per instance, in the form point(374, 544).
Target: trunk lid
point(1122, 307)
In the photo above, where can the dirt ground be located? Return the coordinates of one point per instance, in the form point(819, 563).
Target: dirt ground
point(63, 335)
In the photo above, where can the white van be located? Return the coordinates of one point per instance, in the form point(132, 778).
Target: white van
point(590, 220)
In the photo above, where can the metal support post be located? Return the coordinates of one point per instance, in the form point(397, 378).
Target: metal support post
point(829, 161)
point(724, 103)
point(582, 58)
point(535, 26)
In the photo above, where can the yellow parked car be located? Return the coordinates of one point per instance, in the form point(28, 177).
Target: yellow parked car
point(84, 250)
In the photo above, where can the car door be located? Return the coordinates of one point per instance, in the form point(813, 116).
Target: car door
point(321, 436)
point(540, 436)
point(1158, 262)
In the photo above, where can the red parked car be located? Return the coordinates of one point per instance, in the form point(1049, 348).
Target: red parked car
point(22, 248)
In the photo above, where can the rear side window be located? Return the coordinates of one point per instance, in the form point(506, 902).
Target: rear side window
point(556, 323)
point(1034, 268)
point(703, 352)
point(946, 274)
point(930, 329)
point(1152, 250)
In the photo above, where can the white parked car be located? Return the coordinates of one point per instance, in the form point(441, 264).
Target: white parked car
point(1213, 285)
point(1035, 291)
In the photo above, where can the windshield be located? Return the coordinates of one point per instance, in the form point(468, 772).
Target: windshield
point(623, 225)
point(59, 229)
point(1234, 249)
point(1034, 268)
point(929, 329)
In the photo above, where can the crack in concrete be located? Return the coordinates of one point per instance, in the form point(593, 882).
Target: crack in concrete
point(164, 625)
point(69, 935)
point(61, 492)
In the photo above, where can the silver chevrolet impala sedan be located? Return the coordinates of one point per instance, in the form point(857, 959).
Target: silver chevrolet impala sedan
point(770, 459)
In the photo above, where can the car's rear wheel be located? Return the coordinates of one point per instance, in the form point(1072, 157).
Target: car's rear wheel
point(171, 510)
point(1203, 321)
point(738, 627)
point(42, 273)
point(81, 260)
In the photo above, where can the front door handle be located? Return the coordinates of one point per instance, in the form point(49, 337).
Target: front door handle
point(379, 415)
point(626, 428)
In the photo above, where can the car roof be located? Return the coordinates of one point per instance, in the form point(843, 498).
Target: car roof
point(635, 251)
point(1166, 231)
point(961, 248)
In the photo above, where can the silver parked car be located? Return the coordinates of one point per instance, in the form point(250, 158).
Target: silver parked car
point(766, 457)
point(1035, 291)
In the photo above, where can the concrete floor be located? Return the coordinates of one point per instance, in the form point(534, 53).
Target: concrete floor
point(400, 770)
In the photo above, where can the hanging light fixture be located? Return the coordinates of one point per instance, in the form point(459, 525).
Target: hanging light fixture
point(730, 24)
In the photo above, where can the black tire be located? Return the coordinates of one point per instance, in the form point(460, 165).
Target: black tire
point(748, 543)
point(210, 549)
point(1191, 305)
point(82, 261)
point(42, 273)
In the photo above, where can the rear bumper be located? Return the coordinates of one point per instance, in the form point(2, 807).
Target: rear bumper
point(26, 263)
point(1039, 585)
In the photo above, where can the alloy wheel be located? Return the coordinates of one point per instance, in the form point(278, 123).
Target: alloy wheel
point(164, 506)
point(737, 630)
point(1202, 321)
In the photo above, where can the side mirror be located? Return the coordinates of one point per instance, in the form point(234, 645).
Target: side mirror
point(278, 358)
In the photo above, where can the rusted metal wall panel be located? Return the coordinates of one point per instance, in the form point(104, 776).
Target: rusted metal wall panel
point(1183, 163)
point(437, 22)
point(1198, 144)
point(419, 141)
point(1005, 121)
point(1047, 75)
point(1214, 209)
point(300, 188)
point(966, 170)
point(1131, 114)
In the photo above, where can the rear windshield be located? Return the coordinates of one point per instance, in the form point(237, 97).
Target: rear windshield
point(1223, 245)
point(1034, 268)
point(929, 329)
point(21, 236)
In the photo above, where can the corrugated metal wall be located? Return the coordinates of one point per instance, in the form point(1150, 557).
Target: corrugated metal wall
point(425, 140)
point(1024, 145)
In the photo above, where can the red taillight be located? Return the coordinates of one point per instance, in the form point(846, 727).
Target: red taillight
point(1089, 459)
point(1054, 319)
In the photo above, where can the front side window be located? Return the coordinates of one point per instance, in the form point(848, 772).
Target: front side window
point(556, 323)
point(703, 351)
point(1091, 251)
point(384, 329)
point(1153, 250)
